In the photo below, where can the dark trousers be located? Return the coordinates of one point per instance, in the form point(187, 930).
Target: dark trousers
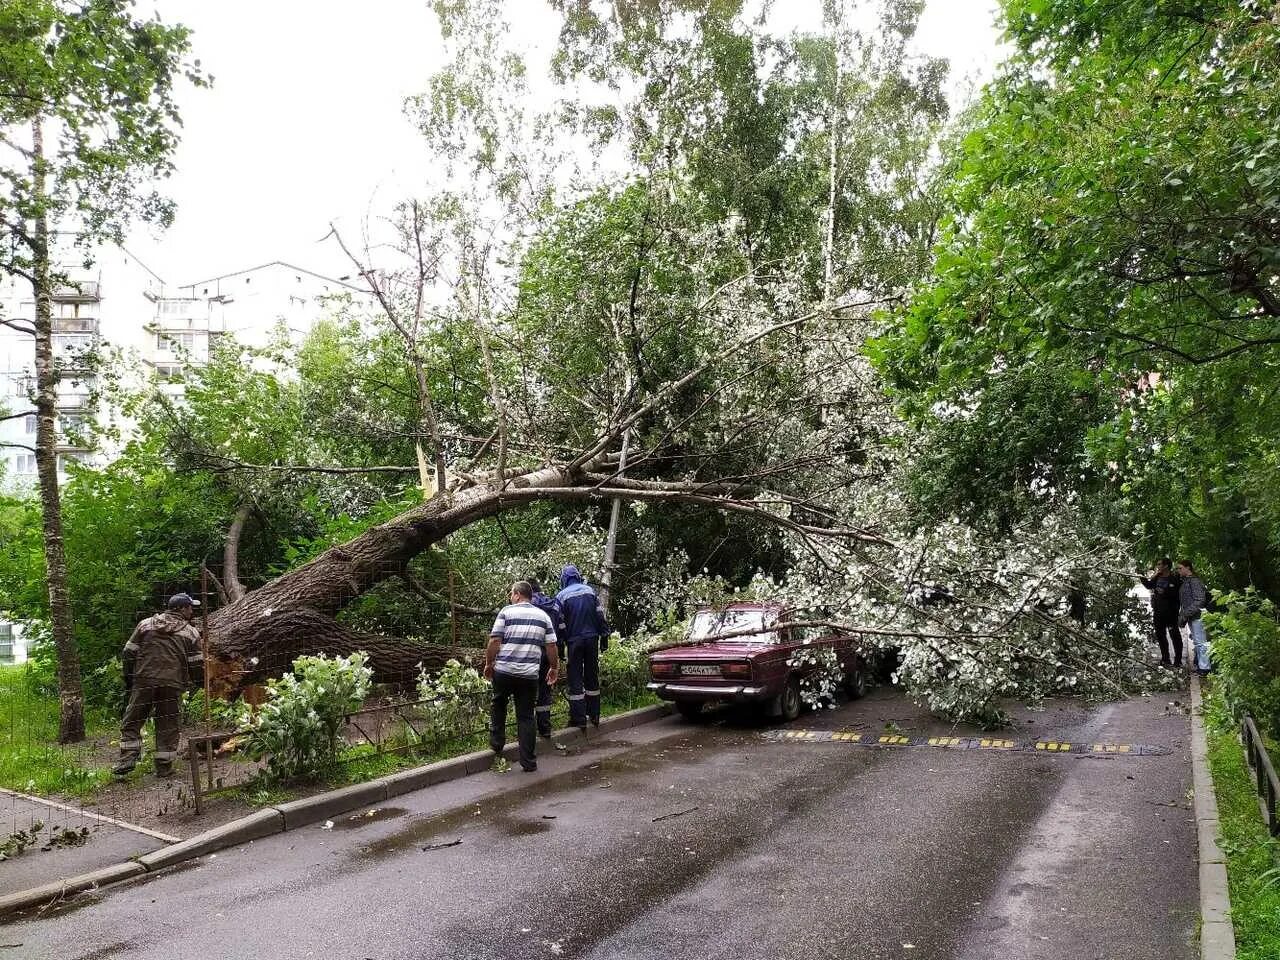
point(1166, 627)
point(163, 704)
point(524, 690)
point(584, 680)
point(543, 709)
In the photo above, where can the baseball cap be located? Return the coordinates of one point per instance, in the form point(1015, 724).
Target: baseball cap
point(182, 600)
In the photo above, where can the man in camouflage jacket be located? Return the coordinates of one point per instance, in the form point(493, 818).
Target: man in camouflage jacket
point(159, 661)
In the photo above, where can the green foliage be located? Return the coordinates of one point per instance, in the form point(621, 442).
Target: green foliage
point(1107, 284)
point(459, 702)
point(107, 82)
point(1245, 641)
point(222, 715)
point(297, 728)
point(624, 671)
point(1252, 855)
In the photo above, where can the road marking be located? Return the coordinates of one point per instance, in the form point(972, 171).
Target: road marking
point(1057, 747)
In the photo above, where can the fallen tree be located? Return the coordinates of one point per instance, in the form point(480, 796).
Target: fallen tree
point(260, 634)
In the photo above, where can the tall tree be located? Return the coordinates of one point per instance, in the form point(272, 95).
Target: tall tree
point(1106, 296)
point(87, 118)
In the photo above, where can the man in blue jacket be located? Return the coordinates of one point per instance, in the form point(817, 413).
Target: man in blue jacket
point(551, 607)
point(586, 634)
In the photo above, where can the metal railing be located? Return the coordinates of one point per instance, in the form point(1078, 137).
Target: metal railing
point(1264, 773)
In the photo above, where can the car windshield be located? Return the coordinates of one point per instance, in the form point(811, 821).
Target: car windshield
point(712, 624)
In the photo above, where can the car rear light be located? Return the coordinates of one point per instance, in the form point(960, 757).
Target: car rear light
point(738, 671)
point(662, 668)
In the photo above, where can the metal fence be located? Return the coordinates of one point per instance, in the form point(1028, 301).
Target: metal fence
point(1264, 773)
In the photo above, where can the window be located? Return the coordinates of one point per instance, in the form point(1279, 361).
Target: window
point(175, 308)
point(72, 423)
point(169, 371)
point(30, 423)
point(175, 340)
point(64, 459)
point(25, 463)
point(6, 643)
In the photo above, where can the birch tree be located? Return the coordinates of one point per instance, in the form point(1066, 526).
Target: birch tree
point(87, 119)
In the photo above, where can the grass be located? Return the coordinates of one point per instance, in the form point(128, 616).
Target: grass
point(1252, 855)
point(31, 760)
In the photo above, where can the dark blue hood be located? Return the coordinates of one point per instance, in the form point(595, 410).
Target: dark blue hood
point(569, 576)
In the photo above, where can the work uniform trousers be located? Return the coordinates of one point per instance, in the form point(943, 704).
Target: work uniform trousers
point(162, 703)
point(1167, 632)
point(543, 709)
point(524, 690)
point(584, 681)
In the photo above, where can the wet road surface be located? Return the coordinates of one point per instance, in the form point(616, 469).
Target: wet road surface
point(710, 841)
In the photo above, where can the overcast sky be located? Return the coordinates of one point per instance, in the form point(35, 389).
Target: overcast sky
point(304, 125)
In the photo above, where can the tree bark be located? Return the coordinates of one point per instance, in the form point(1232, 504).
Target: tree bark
point(231, 584)
point(70, 690)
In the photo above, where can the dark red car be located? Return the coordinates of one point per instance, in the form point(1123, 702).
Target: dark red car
point(736, 655)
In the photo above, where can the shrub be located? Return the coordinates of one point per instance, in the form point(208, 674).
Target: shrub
point(221, 713)
point(624, 671)
point(297, 728)
point(1245, 646)
point(459, 699)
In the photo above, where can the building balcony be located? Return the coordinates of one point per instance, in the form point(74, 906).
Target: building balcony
point(78, 291)
point(81, 325)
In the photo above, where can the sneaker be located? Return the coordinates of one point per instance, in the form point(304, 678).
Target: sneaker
point(528, 767)
point(122, 770)
point(164, 772)
point(595, 721)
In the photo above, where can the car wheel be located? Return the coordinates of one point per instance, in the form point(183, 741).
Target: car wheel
point(789, 700)
point(690, 709)
point(855, 683)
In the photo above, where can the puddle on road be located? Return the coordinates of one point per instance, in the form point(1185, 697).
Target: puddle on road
point(499, 811)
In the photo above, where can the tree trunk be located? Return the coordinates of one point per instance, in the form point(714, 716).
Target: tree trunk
point(70, 691)
point(260, 634)
point(611, 540)
point(231, 584)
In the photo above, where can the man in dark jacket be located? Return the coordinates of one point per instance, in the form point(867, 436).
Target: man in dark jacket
point(159, 659)
point(1164, 585)
point(586, 634)
point(551, 607)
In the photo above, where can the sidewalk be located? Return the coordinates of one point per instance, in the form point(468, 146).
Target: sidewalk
point(106, 843)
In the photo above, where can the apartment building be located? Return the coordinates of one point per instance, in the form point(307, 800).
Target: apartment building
point(166, 329)
point(106, 301)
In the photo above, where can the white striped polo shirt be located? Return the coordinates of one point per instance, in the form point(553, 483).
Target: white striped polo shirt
point(525, 632)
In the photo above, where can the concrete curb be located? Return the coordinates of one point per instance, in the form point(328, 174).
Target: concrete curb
point(1217, 935)
point(300, 813)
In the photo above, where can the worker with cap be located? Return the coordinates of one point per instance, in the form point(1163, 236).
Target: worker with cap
point(160, 659)
point(587, 635)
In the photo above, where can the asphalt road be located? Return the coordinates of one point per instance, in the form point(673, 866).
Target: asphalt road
point(709, 842)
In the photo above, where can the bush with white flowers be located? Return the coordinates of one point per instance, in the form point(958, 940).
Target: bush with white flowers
point(297, 728)
point(457, 701)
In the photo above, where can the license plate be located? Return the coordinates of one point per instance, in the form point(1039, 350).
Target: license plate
point(698, 670)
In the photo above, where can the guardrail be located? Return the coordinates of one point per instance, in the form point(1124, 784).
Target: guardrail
point(1264, 772)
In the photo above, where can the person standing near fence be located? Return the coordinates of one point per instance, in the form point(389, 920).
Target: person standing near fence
point(519, 638)
point(1165, 587)
point(159, 659)
point(587, 634)
point(1192, 600)
point(551, 607)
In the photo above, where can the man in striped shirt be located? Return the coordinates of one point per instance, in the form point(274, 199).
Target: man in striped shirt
point(517, 641)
